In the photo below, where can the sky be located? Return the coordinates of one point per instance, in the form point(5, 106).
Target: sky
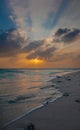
point(39, 33)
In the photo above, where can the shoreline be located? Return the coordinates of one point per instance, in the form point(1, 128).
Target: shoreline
point(43, 104)
point(39, 108)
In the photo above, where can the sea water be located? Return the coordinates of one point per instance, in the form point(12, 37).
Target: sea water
point(22, 90)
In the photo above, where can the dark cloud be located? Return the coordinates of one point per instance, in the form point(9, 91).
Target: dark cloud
point(61, 31)
point(66, 35)
point(43, 54)
point(33, 45)
point(71, 36)
point(11, 42)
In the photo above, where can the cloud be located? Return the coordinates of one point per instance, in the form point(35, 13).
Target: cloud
point(66, 35)
point(25, 16)
point(15, 42)
point(20, 13)
point(11, 42)
point(71, 36)
point(62, 31)
point(43, 54)
point(50, 15)
point(32, 46)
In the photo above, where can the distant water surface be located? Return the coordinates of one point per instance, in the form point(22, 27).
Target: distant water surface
point(24, 89)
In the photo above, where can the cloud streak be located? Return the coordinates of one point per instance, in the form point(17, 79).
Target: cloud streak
point(50, 15)
point(59, 12)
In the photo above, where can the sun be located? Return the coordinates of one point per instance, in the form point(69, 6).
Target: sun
point(36, 61)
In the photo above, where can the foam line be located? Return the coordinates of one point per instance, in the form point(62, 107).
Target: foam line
point(20, 117)
point(29, 112)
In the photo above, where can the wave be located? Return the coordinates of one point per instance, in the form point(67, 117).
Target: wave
point(29, 112)
point(21, 98)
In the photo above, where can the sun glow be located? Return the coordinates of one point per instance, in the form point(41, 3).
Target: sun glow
point(36, 61)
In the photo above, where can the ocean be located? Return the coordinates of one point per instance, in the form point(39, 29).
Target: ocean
point(23, 90)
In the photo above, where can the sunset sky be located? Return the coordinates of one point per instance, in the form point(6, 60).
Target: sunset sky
point(39, 33)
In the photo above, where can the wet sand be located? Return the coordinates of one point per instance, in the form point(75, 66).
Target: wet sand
point(62, 114)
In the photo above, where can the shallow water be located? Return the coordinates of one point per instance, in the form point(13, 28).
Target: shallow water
point(24, 89)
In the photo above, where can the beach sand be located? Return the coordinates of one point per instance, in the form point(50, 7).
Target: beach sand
point(62, 114)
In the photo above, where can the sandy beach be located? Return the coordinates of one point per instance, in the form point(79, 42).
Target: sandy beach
point(62, 114)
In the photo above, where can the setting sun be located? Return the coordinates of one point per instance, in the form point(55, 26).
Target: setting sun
point(36, 61)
